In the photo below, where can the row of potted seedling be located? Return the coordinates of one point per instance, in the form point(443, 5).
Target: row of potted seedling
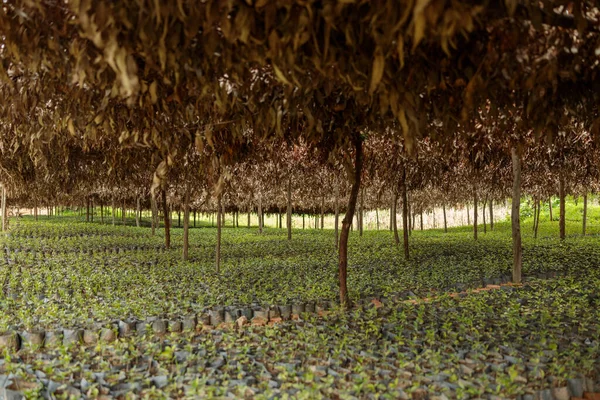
point(52, 252)
point(43, 234)
point(216, 317)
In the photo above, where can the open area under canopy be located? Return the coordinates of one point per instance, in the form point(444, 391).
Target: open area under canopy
point(299, 198)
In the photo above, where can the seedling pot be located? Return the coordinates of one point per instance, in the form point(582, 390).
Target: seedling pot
point(175, 326)
point(126, 328)
point(53, 338)
point(10, 341)
point(286, 311)
point(108, 335)
point(310, 307)
point(274, 312)
point(189, 323)
point(159, 327)
point(90, 336)
point(33, 339)
point(298, 308)
point(216, 317)
point(72, 336)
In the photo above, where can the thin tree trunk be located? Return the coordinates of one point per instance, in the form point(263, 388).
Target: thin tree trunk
point(483, 214)
point(260, 214)
point(405, 214)
point(392, 214)
point(515, 215)
point(186, 222)
point(421, 219)
point(218, 249)
point(411, 218)
point(445, 221)
point(337, 214)
point(237, 218)
point(179, 218)
point(537, 219)
point(87, 210)
point(194, 218)
point(491, 206)
point(303, 221)
point(112, 211)
point(3, 208)
point(137, 212)
point(92, 207)
point(550, 208)
point(377, 217)
point(347, 221)
point(35, 211)
point(280, 219)
point(289, 209)
point(154, 213)
point(248, 218)
point(167, 218)
point(395, 218)
point(584, 212)
point(123, 214)
point(414, 219)
point(322, 211)
point(535, 204)
point(468, 216)
point(475, 199)
point(561, 193)
point(362, 210)
point(101, 212)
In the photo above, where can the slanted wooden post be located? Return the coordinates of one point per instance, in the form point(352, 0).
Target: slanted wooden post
point(561, 193)
point(289, 209)
point(218, 246)
point(405, 214)
point(3, 208)
point(137, 212)
point(167, 219)
point(516, 215)
point(186, 222)
point(347, 222)
point(584, 212)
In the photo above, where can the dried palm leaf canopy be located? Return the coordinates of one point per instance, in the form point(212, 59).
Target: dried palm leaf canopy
point(114, 99)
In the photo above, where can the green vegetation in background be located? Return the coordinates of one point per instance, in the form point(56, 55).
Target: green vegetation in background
point(61, 271)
